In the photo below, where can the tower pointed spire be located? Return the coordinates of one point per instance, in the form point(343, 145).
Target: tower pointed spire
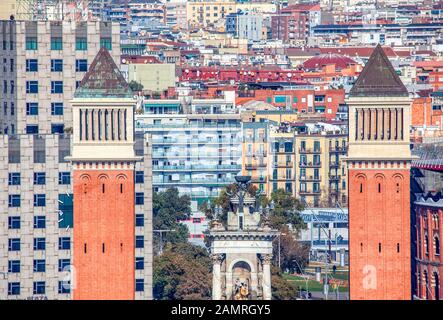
point(378, 78)
point(103, 79)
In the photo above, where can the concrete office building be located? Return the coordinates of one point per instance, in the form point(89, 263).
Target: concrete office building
point(37, 199)
point(43, 63)
point(245, 26)
point(155, 77)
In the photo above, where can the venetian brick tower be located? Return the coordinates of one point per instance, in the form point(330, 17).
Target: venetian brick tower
point(103, 162)
point(379, 168)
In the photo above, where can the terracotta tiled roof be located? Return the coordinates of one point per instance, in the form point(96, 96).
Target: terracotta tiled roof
point(317, 62)
point(378, 78)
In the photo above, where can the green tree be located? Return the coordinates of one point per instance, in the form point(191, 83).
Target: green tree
point(168, 209)
point(182, 272)
point(135, 86)
point(286, 210)
point(281, 288)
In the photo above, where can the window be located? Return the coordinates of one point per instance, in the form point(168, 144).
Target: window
point(31, 65)
point(39, 265)
point(139, 263)
point(57, 128)
point(39, 287)
point(56, 65)
point(31, 108)
point(139, 177)
point(64, 243)
point(56, 87)
point(39, 244)
point(139, 241)
point(139, 285)
point(436, 245)
point(14, 222)
point(81, 65)
point(31, 43)
point(39, 200)
point(56, 109)
point(31, 86)
point(139, 198)
point(56, 43)
point(39, 178)
point(13, 288)
point(14, 244)
point(39, 222)
point(14, 266)
point(81, 44)
point(32, 129)
point(139, 220)
point(64, 178)
point(64, 287)
point(14, 200)
point(14, 178)
point(62, 264)
point(106, 42)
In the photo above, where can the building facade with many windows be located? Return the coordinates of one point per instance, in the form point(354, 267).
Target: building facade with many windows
point(43, 63)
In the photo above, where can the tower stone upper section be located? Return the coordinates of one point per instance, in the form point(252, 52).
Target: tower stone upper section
point(103, 114)
point(379, 113)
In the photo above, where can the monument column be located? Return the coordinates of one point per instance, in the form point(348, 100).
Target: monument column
point(217, 260)
point(266, 261)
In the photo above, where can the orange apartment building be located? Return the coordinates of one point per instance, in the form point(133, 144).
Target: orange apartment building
point(379, 177)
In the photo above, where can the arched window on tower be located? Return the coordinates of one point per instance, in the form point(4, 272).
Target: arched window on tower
point(426, 244)
point(436, 245)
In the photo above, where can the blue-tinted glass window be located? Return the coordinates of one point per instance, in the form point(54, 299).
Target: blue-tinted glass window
point(39, 222)
point(64, 287)
point(14, 178)
point(139, 241)
point(64, 243)
point(57, 128)
point(139, 198)
point(32, 129)
point(13, 288)
point(139, 285)
point(139, 177)
point(81, 44)
point(139, 263)
point(56, 43)
point(65, 207)
point(39, 178)
point(64, 177)
point(14, 244)
point(39, 265)
point(57, 109)
point(14, 200)
point(31, 65)
point(32, 86)
point(62, 264)
point(31, 108)
point(39, 244)
point(39, 200)
point(14, 266)
point(56, 87)
point(14, 222)
point(106, 42)
point(56, 65)
point(81, 65)
point(39, 287)
point(31, 43)
point(139, 220)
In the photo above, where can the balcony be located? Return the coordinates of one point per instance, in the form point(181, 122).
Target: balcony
point(334, 164)
point(309, 192)
point(252, 166)
point(259, 179)
point(338, 149)
point(310, 164)
point(233, 167)
point(283, 164)
point(309, 178)
point(309, 150)
point(334, 177)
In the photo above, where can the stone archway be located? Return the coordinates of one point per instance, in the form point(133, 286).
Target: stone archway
point(241, 280)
